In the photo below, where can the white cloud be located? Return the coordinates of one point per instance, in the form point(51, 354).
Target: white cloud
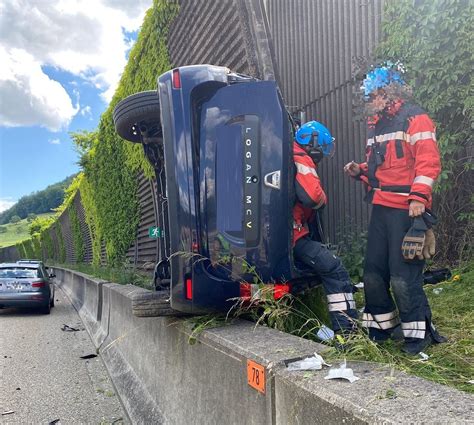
point(83, 37)
point(29, 96)
point(86, 111)
point(6, 203)
point(55, 141)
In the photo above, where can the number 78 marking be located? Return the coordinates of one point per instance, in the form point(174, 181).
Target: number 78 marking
point(256, 376)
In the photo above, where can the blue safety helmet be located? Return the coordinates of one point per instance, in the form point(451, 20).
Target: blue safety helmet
point(382, 76)
point(316, 134)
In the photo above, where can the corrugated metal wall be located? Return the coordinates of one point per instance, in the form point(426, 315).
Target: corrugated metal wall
point(314, 45)
point(144, 252)
point(218, 33)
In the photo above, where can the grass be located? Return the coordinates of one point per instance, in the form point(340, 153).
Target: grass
point(452, 304)
point(17, 232)
point(123, 275)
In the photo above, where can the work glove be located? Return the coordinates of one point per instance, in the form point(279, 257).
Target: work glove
point(429, 248)
point(414, 240)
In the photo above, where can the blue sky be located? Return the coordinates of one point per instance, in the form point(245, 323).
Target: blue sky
point(33, 157)
point(60, 67)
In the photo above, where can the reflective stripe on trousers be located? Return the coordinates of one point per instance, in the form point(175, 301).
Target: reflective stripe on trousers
point(381, 321)
point(341, 301)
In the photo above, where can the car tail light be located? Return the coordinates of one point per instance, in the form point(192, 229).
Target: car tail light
point(176, 79)
point(38, 284)
point(268, 291)
point(280, 290)
point(245, 290)
point(189, 289)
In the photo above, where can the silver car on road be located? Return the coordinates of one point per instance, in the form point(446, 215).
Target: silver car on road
point(26, 284)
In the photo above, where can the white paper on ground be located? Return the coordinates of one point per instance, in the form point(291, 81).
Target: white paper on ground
point(423, 356)
point(315, 362)
point(325, 333)
point(342, 372)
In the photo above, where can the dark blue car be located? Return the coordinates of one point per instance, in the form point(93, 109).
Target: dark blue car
point(221, 146)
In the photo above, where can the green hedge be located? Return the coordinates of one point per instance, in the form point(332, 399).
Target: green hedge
point(111, 165)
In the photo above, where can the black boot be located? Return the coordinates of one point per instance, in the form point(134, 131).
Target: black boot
point(418, 345)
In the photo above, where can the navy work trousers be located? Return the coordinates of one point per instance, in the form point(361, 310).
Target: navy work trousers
point(386, 268)
point(335, 279)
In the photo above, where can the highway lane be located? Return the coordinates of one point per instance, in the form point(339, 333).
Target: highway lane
point(42, 377)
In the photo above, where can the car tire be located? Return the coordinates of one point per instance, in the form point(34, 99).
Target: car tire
point(141, 108)
point(46, 309)
point(153, 304)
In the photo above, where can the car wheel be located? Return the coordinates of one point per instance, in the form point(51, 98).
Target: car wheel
point(46, 309)
point(138, 114)
point(153, 304)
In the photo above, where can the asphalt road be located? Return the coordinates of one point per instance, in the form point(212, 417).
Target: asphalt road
point(43, 380)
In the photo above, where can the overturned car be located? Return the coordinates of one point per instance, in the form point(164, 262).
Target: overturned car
point(221, 147)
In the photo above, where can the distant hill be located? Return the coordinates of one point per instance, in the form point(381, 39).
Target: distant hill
point(18, 232)
point(39, 202)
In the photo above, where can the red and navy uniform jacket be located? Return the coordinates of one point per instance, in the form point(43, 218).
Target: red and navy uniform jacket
point(403, 159)
point(309, 194)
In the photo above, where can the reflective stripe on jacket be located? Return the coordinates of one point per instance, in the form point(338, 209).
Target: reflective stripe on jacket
point(309, 192)
point(403, 160)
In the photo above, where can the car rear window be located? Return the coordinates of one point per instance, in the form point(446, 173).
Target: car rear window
point(19, 273)
point(229, 191)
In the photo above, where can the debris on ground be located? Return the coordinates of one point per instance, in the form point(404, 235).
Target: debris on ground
point(55, 422)
point(315, 362)
point(342, 372)
point(88, 356)
point(437, 291)
point(67, 328)
point(8, 412)
point(325, 334)
point(423, 356)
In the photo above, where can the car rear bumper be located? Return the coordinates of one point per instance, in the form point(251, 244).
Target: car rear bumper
point(26, 299)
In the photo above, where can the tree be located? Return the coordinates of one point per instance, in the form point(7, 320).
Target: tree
point(15, 219)
point(31, 217)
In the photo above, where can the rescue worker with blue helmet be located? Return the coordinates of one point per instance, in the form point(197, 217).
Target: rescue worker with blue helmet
point(313, 142)
point(402, 163)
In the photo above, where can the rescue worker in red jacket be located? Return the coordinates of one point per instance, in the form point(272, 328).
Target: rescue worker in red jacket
point(402, 164)
point(313, 142)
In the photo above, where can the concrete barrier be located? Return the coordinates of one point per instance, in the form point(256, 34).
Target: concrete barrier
point(163, 377)
point(85, 294)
